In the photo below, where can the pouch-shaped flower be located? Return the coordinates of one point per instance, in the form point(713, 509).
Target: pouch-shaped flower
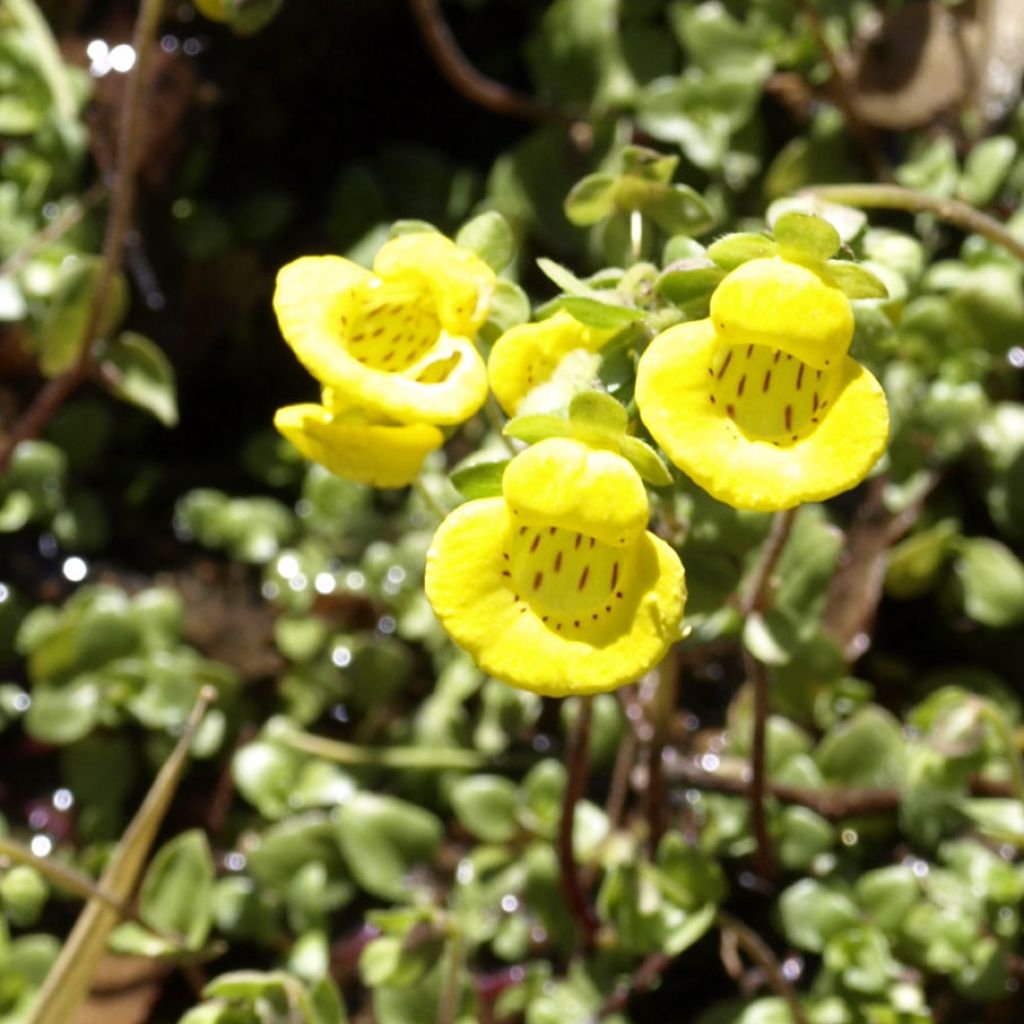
point(357, 445)
point(557, 587)
point(398, 340)
point(760, 404)
point(526, 356)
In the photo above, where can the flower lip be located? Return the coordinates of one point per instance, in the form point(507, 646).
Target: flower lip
point(561, 482)
point(350, 444)
point(780, 304)
point(411, 372)
point(806, 436)
point(549, 609)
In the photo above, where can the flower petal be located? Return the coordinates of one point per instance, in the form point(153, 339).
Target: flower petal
point(527, 355)
point(317, 298)
point(370, 453)
point(461, 282)
point(676, 378)
point(561, 482)
point(523, 638)
point(786, 306)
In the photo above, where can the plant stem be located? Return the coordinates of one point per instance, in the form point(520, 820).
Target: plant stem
point(895, 197)
point(417, 758)
point(56, 391)
point(468, 80)
point(756, 600)
point(448, 1004)
point(576, 766)
point(428, 499)
point(661, 710)
point(60, 874)
point(759, 951)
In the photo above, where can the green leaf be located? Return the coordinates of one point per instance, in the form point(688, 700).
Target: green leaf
point(486, 807)
point(62, 331)
point(480, 479)
point(847, 220)
point(532, 429)
point(509, 307)
point(382, 839)
point(732, 250)
point(915, 563)
point(857, 282)
point(985, 169)
point(812, 912)
point(563, 277)
point(599, 411)
point(886, 894)
point(65, 713)
point(866, 749)
point(591, 199)
point(490, 237)
point(137, 371)
point(646, 461)
point(676, 209)
point(992, 578)
point(807, 235)
point(688, 280)
point(597, 313)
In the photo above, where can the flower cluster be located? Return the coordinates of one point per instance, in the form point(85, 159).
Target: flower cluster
point(552, 581)
point(392, 349)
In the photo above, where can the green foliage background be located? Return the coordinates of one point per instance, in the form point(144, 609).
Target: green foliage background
point(368, 822)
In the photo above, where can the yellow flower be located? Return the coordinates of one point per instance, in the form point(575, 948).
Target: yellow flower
point(527, 356)
point(399, 340)
point(760, 404)
point(556, 586)
point(356, 445)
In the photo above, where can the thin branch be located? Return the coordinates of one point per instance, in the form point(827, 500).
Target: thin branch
point(833, 804)
point(467, 79)
point(56, 229)
point(844, 100)
point(60, 874)
point(760, 952)
point(640, 981)
point(756, 600)
point(56, 391)
point(451, 992)
point(576, 765)
point(661, 709)
point(895, 197)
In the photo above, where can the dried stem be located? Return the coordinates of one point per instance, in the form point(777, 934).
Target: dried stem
point(755, 601)
point(576, 765)
point(56, 391)
point(895, 197)
point(467, 79)
point(759, 951)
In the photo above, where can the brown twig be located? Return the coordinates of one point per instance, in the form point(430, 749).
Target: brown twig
point(576, 764)
point(841, 91)
point(756, 600)
point(760, 952)
point(895, 197)
point(56, 391)
point(662, 707)
point(642, 979)
point(477, 87)
point(833, 804)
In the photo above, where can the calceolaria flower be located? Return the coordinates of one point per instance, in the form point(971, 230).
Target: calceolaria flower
point(557, 586)
point(526, 357)
point(760, 404)
point(356, 444)
point(397, 341)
